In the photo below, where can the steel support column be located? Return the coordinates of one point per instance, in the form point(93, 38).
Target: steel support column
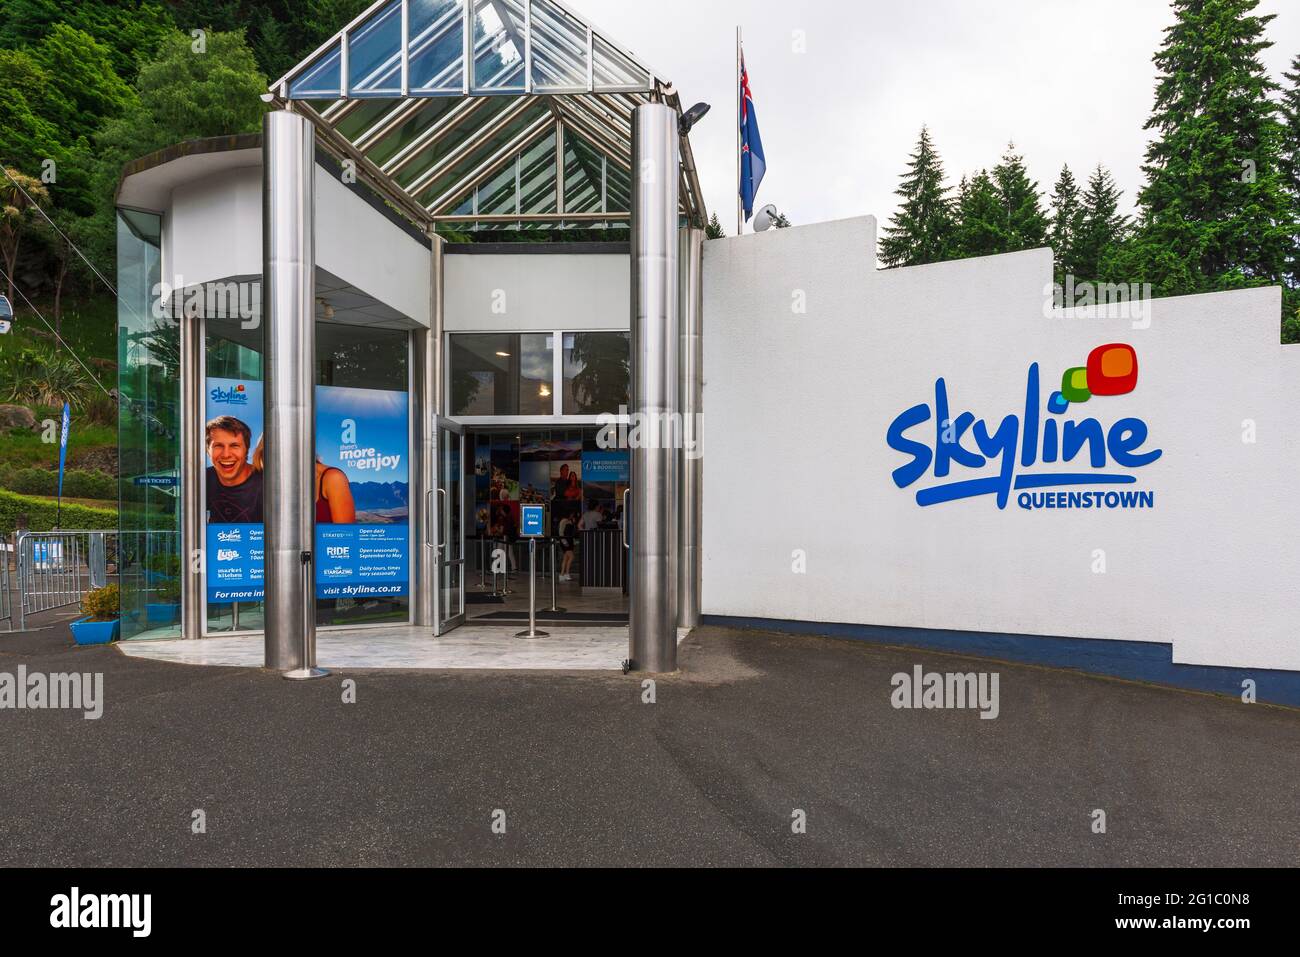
point(652, 521)
point(289, 322)
point(192, 369)
point(691, 474)
point(427, 379)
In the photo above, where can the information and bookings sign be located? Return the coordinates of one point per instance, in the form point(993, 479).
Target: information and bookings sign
point(362, 547)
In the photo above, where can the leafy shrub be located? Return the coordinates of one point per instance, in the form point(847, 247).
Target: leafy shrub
point(77, 483)
point(102, 604)
point(41, 514)
point(42, 375)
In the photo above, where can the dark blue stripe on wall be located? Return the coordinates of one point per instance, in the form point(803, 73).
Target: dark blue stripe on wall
point(1134, 660)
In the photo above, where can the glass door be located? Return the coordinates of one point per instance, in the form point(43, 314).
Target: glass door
point(449, 523)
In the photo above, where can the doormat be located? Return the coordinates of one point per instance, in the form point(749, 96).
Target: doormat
point(572, 617)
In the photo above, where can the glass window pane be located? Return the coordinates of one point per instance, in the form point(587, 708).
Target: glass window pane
point(559, 48)
point(148, 385)
point(498, 46)
point(321, 79)
point(470, 160)
point(375, 54)
point(614, 71)
point(497, 196)
point(618, 189)
point(386, 148)
point(582, 176)
point(502, 374)
point(597, 372)
point(537, 176)
point(436, 46)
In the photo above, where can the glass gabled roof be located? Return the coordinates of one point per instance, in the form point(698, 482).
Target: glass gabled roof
point(484, 113)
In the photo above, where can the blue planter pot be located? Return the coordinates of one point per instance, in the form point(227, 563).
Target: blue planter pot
point(86, 632)
point(162, 613)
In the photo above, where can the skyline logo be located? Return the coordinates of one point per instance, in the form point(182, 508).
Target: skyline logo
point(1032, 439)
point(236, 396)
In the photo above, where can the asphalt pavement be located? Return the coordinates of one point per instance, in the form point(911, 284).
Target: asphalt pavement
point(758, 733)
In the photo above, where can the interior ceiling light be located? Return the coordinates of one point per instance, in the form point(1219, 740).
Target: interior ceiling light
point(504, 355)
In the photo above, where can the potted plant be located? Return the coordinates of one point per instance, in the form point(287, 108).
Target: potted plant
point(167, 609)
point(100, 624)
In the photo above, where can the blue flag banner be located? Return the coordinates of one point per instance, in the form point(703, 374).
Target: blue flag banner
point(753, 164)
point(63, 444)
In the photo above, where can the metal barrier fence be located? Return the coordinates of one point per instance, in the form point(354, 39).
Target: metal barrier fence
point(55, 570)
point(603, 561)
point(6, 601)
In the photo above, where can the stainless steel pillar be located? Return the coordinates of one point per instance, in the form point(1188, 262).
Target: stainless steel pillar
point(427, 380)
point(652, 524)
point(289, 321)
point(690, 465)
point(192, 370)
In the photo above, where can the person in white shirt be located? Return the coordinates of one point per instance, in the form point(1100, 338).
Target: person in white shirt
point(591, 519)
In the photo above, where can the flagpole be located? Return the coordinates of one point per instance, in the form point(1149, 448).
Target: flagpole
point(740, 207)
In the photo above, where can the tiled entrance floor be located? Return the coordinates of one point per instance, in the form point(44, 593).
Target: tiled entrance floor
point(472, 647)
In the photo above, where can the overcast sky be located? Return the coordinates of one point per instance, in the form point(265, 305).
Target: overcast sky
point(1070, 81)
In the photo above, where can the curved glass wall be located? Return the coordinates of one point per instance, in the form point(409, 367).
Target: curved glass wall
point(149, 440)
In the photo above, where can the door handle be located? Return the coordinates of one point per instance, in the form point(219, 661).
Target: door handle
point(431, 518)
point(438, 526)
point(626, 516)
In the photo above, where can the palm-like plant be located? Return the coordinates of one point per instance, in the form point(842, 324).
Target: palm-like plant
point(20, 194)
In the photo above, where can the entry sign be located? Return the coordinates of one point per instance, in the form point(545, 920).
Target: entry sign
point(532, 521)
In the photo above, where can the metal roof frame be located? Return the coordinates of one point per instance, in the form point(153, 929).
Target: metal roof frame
point(533, 50)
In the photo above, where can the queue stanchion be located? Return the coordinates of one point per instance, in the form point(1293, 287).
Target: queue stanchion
point(532, 522)
point(555, 608)
point(497, 590)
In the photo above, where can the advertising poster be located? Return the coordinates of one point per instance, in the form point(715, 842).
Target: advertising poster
point(482, 482)
point(235, 555)
point(505, 471)
point(362, 493)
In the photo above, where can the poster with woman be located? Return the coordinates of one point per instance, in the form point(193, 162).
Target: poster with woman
point(361, 489)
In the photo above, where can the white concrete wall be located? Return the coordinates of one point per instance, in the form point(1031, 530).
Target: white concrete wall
point(213, 230)
point(797, 407)
point(538, 292)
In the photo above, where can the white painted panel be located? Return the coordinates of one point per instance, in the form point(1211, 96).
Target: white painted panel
point(531, 291)
point(215, 232)
point(798, 405)
point(215, 227)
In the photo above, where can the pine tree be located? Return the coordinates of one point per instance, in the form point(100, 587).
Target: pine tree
point(1066, 221)
point(1291, 171)
point(1214, 211)
point(1101, 228)
point(714, 229)
point(922, 228)
point(1024, 223)
point(979, 230)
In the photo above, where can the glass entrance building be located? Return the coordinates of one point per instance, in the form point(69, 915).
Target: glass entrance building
point(425, 297)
